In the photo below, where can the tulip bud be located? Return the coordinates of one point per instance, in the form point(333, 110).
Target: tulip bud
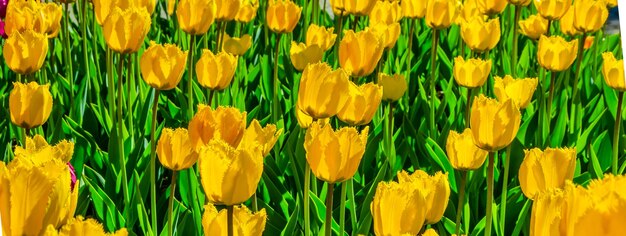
point(468, 10)
point(247, 11)
point(542, 170)
point(81, 226)
point(30, 104)
point(355, 7)
point(491, 7)
point(385, 13)
point(567, 23)
point(334, 156)
point(204, 127)
point(102, 9)
point(264, 138)
point(302, 55)
point(322, 91)
point(175, 149)
point(52, 13)
point(548, 212)
point(481, 35)
point(394, 86)
point(360, 52)
point(24, 15)
point(590, 15)
point(170, 7)
point(440, 14)
point(24, 53)
point(226, 9)
point(437, 187)
point(162, 66)
point(196, 16)
point(362, 104)
point(216, 71)
point(283, 16)
point(521, 3)
point(613, 72)
point(463, 152)
point(120, 23)
point(37, 146)
point(244, 222)
point(552, 9)
point(494, 124)
point(237, 46)
point(534, 26)
point(387, 34)
point(414, 9)
point(430, 232)
point(398, 209)
point(556, 54)
point(519, 90)
point(472, 73)
point(320, 36)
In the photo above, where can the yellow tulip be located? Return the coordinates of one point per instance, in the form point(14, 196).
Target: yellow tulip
point(216, 71)
point(398, 209)
point(360, 52)
point(265, 138)
point(413, 9)
point(304, 120)
point(334, 156)
point(556, 54)
point(283, 16)
point(80, 226)
point(590, 15)
point(542, 170)
point(385, 13)
point(463, 153)
point(170, 7)
point(440, 14)
point(491, 7)
point(387, 34)
point(567, 23)
point(519, 90)
point(394, 86)
point(227, 9)
point(362, 104)
point(354, 7)
point(552, 9)
point(195, 17)
point(302, 55)
point(548, 212)
point(437, 187)
point(320, 36)
point(40, 151)
point(245, 223)
point(247, 11)
point(481, 35)
point(30, 104)
point(52, 13)
point(24, 53)
point(175, 149)
point(534, 26)
point(322, 91)
point(430, 232)
point(102, 9)
point(468, 10)
point(229, 175)
point(472, 73)
point(613, 71)
point(521, 3)
point(22, 15)
point(494, 124)
point(604, 213)
point(162, 66)
point(224, 123)
point(120, 23)
point(237, 46)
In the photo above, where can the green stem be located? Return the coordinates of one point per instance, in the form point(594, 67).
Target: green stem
point(111, 87)
point(489, 193)
point(410, 48)
point(579, 60)
point(342, 208)
point(83, 26)
point(355, 23)
point(505, 183)
point(389, 140)
point(459, 209)
point(550, 98)
point(353, 218)
point(307, 187)
point(433, 70)
point(230, 214)
point(192, 42)
point(120, 134)
point(170, 207)
point(68, 54)
point(329, 210)
point(616, 131)
point(275, 102)
point(468, 107)
point(518, 11)
point(153, 189)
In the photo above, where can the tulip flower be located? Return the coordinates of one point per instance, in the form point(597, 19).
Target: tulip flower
point(463, 153)
point(394, 86)
point(494, 124)
point(175, 149)
point(102, 9)
point(521, 3)
point(491, 7)
point(472, 73)
point(468, 10)
point(322, 91)
point(542, 170)
point(387, 34)
point(354, 7)
point(196, 16)
point(413, 9)
point(320, 36)
point(360, 52)
point(282, 16)
point(24, 15)
point(613, 71)
point(437, 187)
point(602, 208)
point(224, 123)
point(52, 13)
point(552, 9)
point(162, 66)
point(481, 35)
point(216, 71)
point(37, 146)
point(302, 55)
point(245, 223)
point(567, 23)
point(24, 53)
point(226, 9)
point(519, 90)
point(30, 104)
point(440, 14)
point(398, 208)
point(556, 54)
point(590, 15)
point(247, 11)
point(119, 23)
point(534, 26)
point(80, 226)
point(334, 156)
point(362, 104)
point(549, 211)
point(385, 13)
point(266, 136)
point(237, 46)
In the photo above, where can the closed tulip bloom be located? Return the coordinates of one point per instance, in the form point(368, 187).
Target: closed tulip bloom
point(519, 90)
point(224, 123)
point(358, 7)
point(413, 9)
point(552, 9)
point(494, 124)
point(440, 14)
point(322, 91)
point(162, 66)
point(491, 7)
point(264, 137)
point(334, 156)
point(245, 223)
point(387, 34)
point(437, 187)
point(385, 13)
point(196, 16)
point(548, 212)
point(24, 53)
point(522, 3)
point(556, 54)
point(481, 35)
point(360, 52)
point(37, 146)
point(567, 23)
point(472, 73)
point(52, 18)
point(24, 15)
point(613, 71)
point(283, 16)
point(247, 11)
point(468, 10)
point(398, 209)
point(170, 7)
point(30, 104)
point(463, 153)
point(320, 36)
point(216, 71)
point(362, 104)
point(534, 26)
point(175, 149)
point(394, 86)
point(590, 15)
point(237, 46)
point(302, 55)
point(229, 175)
point(430, 232)
point(102, 9)
point(542, 170)
point(80, 226)
point(227, 9)
point(120, 23)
